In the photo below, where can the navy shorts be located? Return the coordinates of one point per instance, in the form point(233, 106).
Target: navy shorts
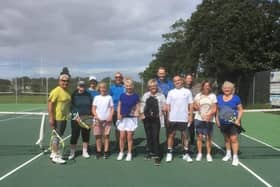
point(203, 127)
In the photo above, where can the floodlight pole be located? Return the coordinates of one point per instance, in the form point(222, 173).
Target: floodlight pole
point(16, 90)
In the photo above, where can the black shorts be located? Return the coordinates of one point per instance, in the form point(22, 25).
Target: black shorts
point(60, 126)
point(177, 126)
point(229, 129)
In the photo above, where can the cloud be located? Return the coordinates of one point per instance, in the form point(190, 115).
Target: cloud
point(85, 33)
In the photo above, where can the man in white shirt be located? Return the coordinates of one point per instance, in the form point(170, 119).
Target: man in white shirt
point(180, 110)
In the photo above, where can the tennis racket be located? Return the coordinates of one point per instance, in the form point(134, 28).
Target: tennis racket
point(56, 137)
point(205, 104)
point(227, 115)
point(84, 121)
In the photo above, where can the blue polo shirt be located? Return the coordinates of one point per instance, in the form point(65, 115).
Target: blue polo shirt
point(165, 86)
point(115, 91)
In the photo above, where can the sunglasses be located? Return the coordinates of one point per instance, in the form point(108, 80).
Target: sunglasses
point(65, 80)
point(118, 77)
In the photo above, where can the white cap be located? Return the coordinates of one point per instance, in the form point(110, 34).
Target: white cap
point(92, 78)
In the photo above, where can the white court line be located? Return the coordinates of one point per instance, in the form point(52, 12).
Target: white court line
point(247, 169)
point(261, 142)
point(26, 163)
point(20, 116)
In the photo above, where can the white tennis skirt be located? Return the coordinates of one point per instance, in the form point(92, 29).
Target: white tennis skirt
point(128, 124)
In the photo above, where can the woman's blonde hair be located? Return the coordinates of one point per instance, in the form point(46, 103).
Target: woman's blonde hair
point(228, 84)
point(102, 84)
point(129, 82)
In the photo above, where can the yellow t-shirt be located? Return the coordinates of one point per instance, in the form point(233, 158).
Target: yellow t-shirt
point(61, 100)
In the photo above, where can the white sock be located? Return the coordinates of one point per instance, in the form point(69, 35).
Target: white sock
point(84, 150)
point(235, 156)
point(228, 153)
point(72, 151)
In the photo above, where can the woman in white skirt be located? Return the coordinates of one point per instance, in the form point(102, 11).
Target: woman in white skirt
point(128, 111)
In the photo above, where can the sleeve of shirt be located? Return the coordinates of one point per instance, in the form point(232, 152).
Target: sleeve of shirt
point(196, 97)
point(214, 98)
point(137, 98)
point(168, 99)
point(190, 97)
point(94, 102)
point(238, 100)
point(111, 103)
point(143, 103)
point(53, 96)
point(163, 100)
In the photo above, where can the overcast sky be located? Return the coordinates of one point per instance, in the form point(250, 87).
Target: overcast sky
point(91, 37)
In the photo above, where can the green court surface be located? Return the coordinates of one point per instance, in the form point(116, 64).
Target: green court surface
point(23, 107)
point(260, 163)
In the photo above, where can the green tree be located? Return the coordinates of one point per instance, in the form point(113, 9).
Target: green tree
point(227, 39)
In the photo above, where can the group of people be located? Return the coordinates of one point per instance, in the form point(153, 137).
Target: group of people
point(174, 105)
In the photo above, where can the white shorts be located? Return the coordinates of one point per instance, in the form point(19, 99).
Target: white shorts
point(128, 124)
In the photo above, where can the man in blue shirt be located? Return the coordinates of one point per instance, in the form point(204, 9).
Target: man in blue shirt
point(164, 84)
point(115, 91)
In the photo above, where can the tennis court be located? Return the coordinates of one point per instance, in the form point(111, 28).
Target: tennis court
point(23, 163)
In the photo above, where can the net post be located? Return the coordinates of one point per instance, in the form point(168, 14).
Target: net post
point(41, 132)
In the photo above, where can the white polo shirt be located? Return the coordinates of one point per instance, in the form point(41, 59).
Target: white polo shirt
point(178, 100)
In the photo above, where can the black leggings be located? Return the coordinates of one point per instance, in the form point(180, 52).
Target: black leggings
point(152, 129)
point(76, 129)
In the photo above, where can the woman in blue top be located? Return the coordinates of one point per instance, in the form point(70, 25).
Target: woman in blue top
point(229, 128)
point(128, 111)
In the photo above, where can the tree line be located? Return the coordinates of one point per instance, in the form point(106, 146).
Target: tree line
point(222, 40)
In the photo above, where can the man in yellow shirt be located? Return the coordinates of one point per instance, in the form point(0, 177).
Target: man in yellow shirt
point(59, 107)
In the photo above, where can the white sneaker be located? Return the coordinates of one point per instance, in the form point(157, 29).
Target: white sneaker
point(85, 154)
point(187, 158)
point(227, 158)
point(58, 160)
point(52, 155)
point(198, 157)
point(168, 157)
point(209, 158)
point(71, 156)
point(235, 161)
point(128, 157)
point(120, 156)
